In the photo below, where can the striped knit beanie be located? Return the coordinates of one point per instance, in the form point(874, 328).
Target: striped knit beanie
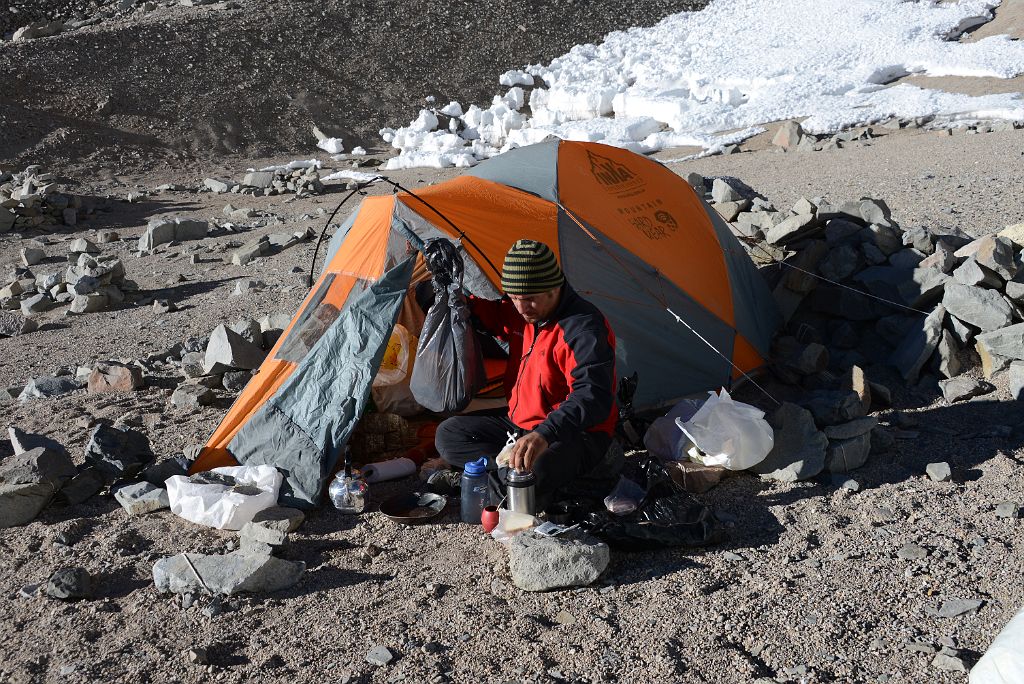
point(530, 268)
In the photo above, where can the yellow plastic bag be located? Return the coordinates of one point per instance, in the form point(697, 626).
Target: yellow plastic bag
point(390, 390)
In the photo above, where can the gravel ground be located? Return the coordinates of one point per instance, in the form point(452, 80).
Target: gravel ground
point(808, 588)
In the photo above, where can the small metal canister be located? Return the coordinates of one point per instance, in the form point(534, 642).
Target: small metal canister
point(521, 495)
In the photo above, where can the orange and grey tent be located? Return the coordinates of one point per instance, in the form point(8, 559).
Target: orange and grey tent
point(631, 236)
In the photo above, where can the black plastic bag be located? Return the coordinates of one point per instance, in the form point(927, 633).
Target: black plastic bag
point(449, 368)
point(668, 515)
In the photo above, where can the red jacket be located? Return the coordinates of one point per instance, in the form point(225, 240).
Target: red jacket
point(560, 377)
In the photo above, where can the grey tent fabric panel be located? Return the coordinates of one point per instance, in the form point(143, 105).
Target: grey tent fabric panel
point(533, 169)
point(302, 428)
point(754, 309)
point(474, 280)
point(339, 237)
point(670, 360)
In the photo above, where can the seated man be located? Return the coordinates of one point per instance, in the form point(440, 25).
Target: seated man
point(560, 381)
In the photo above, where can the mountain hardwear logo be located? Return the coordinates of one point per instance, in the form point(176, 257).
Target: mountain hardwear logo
point(608, 171)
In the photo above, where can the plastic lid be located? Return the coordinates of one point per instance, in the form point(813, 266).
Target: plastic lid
point(477, 467)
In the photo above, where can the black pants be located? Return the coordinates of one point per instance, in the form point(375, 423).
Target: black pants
point(462, 439)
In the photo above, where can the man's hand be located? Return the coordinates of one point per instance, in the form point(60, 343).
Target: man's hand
point(526, 450)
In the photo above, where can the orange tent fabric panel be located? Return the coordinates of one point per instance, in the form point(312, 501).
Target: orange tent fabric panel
point(492, 215)
point(745, 357)
point(642, 206)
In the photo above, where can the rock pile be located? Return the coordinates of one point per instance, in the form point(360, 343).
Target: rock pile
point(273, 181)
point(791, 136)
point(859, 293)
point(32, 199)
point(92, 282)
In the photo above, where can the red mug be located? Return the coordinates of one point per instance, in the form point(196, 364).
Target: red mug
point(489, 518)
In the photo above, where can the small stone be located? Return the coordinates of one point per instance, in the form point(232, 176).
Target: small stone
point(938, 472)
point(912, 552)
point(380, 656)
point(948, 663)
point(197, 656)
point(162, 306)
point(721, 191)
point(788, 135)
point(1008, 509)
point(69, 583)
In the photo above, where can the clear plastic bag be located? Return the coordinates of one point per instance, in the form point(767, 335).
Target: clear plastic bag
point(449, 368)
point(664, 439)
point(510, 524)
point(229, 497)
point(625, 498)
point(729, 433)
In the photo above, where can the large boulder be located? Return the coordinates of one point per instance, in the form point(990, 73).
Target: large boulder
point(28, 482)
point(539, 563)
point(919, 344)
point(163, 230)
point(227, 350)
point(117, 454)
point(114, 377)
point(798, 452)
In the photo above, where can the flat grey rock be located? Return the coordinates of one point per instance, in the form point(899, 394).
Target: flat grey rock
point(142, 497)
point(380, 656)
point(21, 503)
point(919, 344)
point(228, 574)
point(985, 309)
point(116, 453)
point(47, 386)
point(961, 388)
point(854, 428)
point(912, 552)
point(539, 563)
point(957, 607)
point(227, 350)
point(1007, 342)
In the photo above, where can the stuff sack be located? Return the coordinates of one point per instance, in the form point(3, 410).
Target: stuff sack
point(224, 498)
point(667, 516)
point(664, 439)
point(729, 433)
point(449, 368)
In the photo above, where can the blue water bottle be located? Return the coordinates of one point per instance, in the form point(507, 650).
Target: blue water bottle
point(474, 490)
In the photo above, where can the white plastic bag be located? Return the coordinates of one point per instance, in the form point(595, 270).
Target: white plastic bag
point(1003, 662)
point(730, 433)
point(224, 506)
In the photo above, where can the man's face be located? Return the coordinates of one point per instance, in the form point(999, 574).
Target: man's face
point(536, 307)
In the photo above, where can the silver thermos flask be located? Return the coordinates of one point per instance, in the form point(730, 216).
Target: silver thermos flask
point(521, 495)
